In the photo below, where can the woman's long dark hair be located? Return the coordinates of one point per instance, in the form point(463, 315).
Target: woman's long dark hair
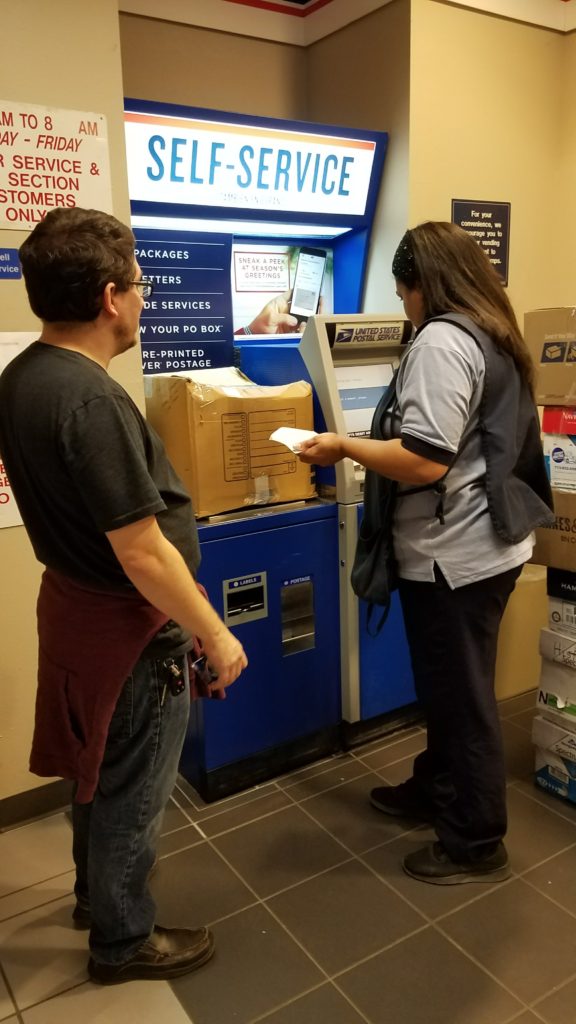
point(455, 275)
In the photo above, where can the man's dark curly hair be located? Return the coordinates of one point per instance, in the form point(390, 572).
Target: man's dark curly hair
point(68, 260)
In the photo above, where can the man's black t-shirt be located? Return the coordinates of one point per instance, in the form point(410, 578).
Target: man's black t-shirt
point(82, 460)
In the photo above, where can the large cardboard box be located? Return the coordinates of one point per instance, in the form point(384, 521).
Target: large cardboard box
point(551, 337)
point(556, 544)
point(216, 426)
point(518, 661)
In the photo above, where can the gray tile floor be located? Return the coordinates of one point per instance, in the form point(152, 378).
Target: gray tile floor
point(314, 920)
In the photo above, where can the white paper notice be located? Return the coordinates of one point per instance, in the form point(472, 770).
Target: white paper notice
point(291, 437)
point(51, 157)
point(10, 345)
point(14, 342)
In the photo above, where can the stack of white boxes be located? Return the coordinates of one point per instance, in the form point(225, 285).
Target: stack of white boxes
point(551, 336)
point(554, 728)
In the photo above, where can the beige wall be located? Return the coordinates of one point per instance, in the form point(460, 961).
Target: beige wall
point(486, 122)
point(564, 260)
point(360, 77)
point(76, 66)
point(477, 107)
point(357, 77)
point(173, 63)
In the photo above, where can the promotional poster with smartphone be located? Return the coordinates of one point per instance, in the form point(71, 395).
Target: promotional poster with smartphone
point(308, 282)
point(273, 284)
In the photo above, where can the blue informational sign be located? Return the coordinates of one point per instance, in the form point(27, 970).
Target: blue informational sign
point(10, 269)
point(489, 225)
point(187, 321)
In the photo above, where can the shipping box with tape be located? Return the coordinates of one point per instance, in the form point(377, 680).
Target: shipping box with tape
point(556, 544)
point(551, 337)
point(216, 427)
point(518, 661)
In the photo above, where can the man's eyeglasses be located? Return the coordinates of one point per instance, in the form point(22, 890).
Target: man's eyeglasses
point(145, 287)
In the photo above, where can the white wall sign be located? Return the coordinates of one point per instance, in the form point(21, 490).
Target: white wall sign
point(10, 345)
point(50, 158)
point(211, 163)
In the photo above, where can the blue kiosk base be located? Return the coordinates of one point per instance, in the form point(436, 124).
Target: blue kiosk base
point(273, 577)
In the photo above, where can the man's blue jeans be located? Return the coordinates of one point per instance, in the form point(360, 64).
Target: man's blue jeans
point(115, 835)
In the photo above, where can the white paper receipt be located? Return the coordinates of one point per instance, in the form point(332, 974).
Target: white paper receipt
point(291, 437)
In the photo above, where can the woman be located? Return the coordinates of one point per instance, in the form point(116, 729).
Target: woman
point(469, 430)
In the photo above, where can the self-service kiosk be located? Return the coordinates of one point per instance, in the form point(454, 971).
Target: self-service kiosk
point(221, 206)
point(350, 360)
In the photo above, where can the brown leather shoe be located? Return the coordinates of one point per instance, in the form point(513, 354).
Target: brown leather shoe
point(168, 953)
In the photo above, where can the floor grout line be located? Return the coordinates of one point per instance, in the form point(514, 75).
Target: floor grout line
point(304, 804)
point(269, 1013)
point(11, 993)
point(552, 991)
point(481, 966)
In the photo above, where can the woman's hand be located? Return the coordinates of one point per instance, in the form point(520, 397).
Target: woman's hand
point(322, 450)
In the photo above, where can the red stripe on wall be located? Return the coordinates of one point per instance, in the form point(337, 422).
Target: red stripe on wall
point(265, 5)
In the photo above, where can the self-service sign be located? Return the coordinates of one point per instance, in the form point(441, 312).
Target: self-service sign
point(249, 167)
point(50, 158)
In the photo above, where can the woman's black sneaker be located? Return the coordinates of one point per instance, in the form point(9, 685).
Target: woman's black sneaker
point(432, 864)
point(400, 802)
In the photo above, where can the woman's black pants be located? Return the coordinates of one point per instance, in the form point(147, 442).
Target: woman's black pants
point(453, 636)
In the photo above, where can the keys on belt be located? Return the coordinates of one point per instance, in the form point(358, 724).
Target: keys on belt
point(175, 680)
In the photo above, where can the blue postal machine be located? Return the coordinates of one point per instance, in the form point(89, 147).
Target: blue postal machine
point(350, 359)
point(232, 212)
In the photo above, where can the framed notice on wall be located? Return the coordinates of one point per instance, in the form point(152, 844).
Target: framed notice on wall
point(50, 158)
point(489, 225)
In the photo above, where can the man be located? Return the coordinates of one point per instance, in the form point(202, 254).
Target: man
point(118, 604)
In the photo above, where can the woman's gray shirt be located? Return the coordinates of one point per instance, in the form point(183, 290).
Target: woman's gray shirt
point(439, 388)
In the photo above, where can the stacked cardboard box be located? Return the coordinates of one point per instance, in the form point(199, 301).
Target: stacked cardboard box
point(216, 427)
point(551, 337)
